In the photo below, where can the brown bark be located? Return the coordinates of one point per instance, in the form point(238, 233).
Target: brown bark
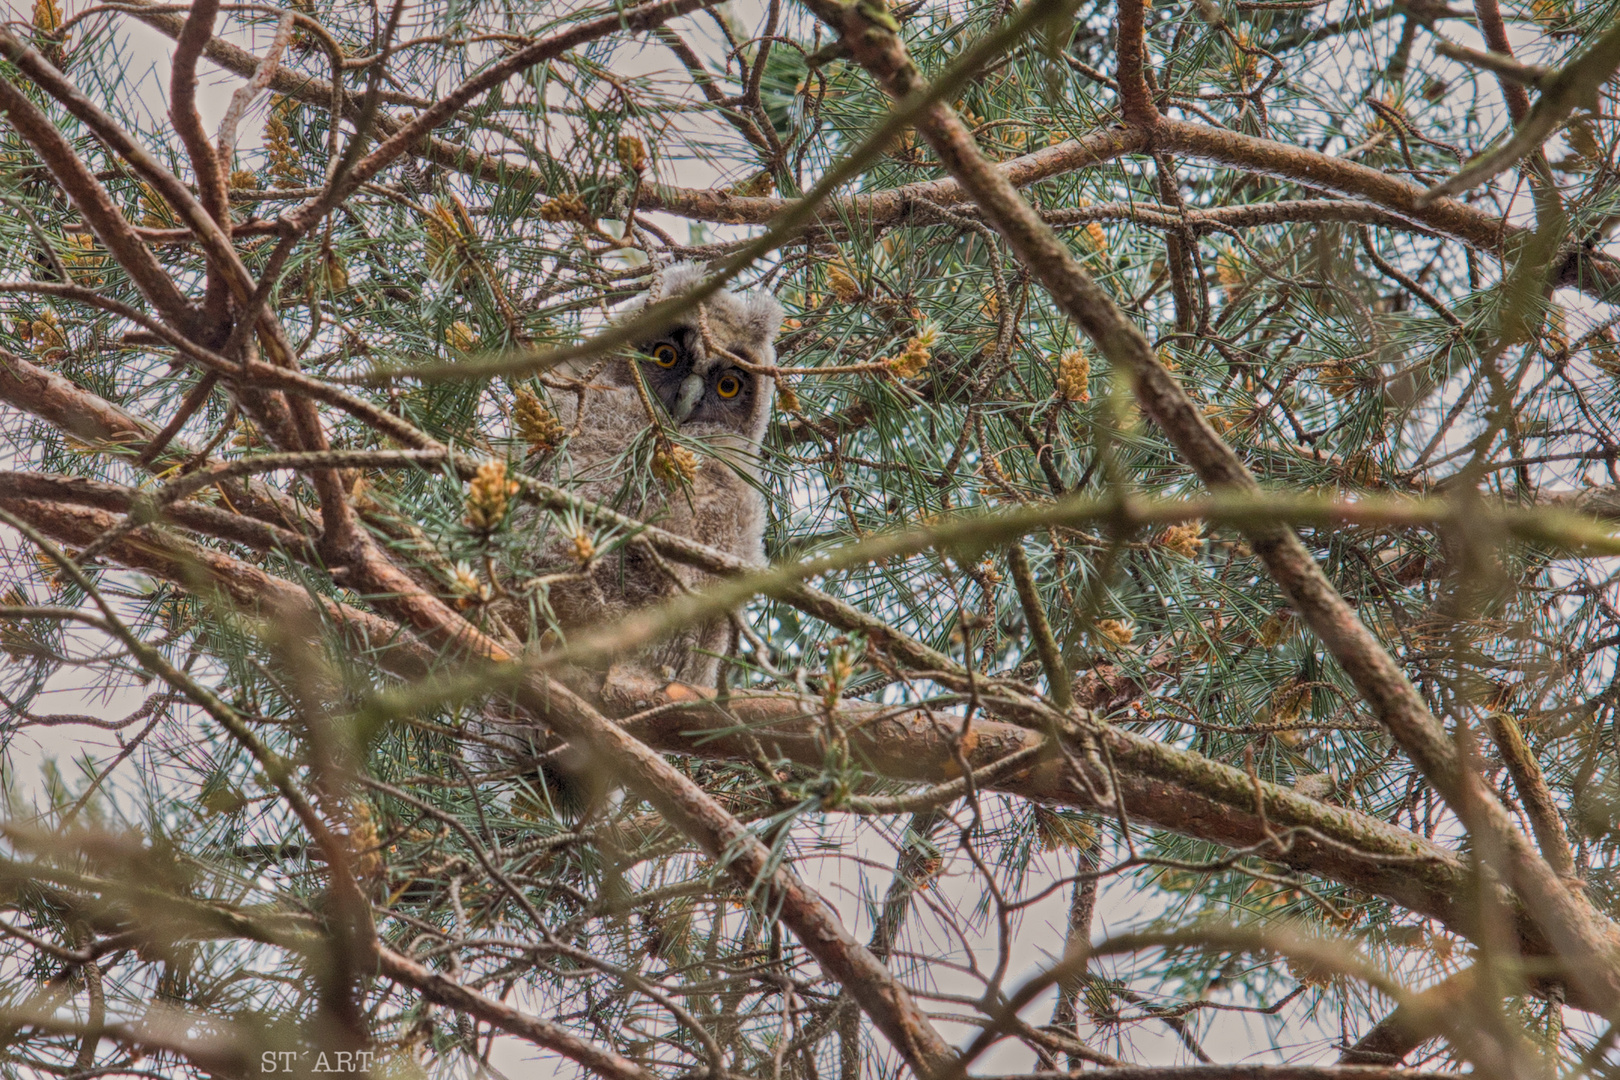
point(58, 401)
point(1077, 938)
point(215, 243)
point(1592, 273)
point(209, 171)
point(291, 426)
point(200, 518)
point(1176, 789)
point(1448, 217)
point(1162, 785)
point(205, 164)
point(405, 138)
point(1130, 52)
point(1494, 32)
point(1539, 804)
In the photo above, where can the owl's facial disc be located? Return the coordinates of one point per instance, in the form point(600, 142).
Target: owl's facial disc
point(694, 387)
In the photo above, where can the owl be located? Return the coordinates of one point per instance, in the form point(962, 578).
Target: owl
point(706, 404)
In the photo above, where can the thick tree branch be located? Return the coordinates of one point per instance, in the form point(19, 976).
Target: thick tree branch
point(1176, 789)
point(1411, 1025)
point(205, 163)
point(70, 408)
point(880, 208)
point(1492, 29)
point(216, 244)
point(296, 427)
point(1179, 790)
point(640, 768)
point(1209, 219)
point(1448, 217)
point(196, 517)
point(1592, 273)
point(103, 217)
point(1539, 805)
point(1130, 52)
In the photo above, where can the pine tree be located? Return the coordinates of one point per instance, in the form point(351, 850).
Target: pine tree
point(1190, 634)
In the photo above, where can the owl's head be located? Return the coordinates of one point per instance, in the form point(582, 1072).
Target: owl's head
point(703, 390)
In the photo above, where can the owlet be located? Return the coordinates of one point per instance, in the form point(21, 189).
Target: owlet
point(709, 407)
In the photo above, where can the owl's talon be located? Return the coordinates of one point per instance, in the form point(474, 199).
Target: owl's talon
point(680, 692)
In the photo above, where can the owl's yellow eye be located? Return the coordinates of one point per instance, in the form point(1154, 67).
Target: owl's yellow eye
point(729, 386)
point(664, 354)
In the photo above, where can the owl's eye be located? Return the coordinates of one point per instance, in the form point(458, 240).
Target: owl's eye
point(729, 386)
point(664, 354)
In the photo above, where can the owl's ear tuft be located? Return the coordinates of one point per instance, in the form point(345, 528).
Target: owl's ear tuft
point(762, 313)
point(757, 314)
point(681, 277)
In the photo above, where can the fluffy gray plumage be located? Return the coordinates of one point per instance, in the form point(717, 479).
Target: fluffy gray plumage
point(714, 408)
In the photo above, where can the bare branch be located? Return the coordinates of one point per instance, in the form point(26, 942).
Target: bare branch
point(242, 97)
point(206, 165)
point(543, 1033)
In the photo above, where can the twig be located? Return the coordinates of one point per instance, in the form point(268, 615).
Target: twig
point(242, 96)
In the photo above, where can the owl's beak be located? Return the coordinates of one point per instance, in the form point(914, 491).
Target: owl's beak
point(687, 399)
